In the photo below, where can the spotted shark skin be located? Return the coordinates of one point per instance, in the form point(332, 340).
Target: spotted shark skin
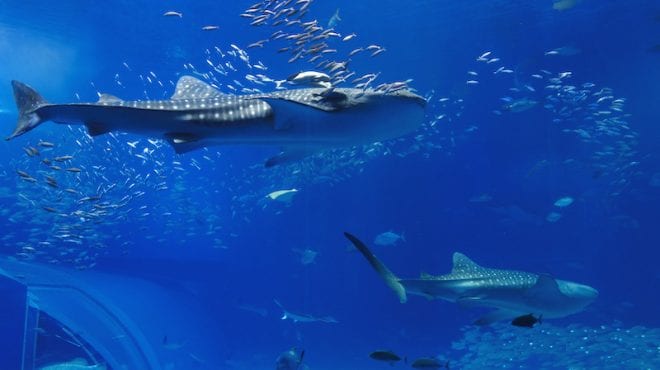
point(301, 121)
point(512, 293)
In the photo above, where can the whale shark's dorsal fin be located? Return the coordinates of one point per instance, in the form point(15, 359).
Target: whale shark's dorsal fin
point(463, 264)
point(189, 87)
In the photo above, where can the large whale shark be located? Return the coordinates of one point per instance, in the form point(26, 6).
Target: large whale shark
point(301, 121)
point(511, 293)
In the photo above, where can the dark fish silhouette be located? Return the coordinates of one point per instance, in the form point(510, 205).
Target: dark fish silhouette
point(386, 356)
point(429, 363)
point(526, 321)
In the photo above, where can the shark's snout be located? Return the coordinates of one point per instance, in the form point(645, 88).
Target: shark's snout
point(579, 291)
point(589, 292)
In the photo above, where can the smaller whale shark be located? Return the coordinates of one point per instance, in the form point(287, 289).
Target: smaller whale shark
point(512, 293)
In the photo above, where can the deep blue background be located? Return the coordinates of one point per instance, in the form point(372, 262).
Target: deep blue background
point(62, 49)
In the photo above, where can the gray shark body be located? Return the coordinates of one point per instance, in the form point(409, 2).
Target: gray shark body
point(303, 317)
point(301, 121)
point(511, 293)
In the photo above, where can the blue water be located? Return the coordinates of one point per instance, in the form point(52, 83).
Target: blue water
point(200, 222)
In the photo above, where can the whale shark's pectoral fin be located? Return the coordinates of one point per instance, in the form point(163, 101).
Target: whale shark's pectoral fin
point(96, 129)
point(290, 155)
point(183, 142)
point(545, 289)
point(497, 315)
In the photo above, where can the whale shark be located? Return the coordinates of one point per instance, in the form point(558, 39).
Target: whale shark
point(301, 121)
point(511, 293)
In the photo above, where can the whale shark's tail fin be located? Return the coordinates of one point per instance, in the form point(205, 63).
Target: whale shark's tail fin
point(27, 102)
point(390, 279)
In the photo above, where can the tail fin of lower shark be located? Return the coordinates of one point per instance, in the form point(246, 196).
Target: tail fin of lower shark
point(390, 279)
point(27, 102)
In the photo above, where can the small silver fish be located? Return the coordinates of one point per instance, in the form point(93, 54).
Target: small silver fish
point(173, 14)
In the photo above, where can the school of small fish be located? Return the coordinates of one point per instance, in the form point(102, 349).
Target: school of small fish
point(64, 182)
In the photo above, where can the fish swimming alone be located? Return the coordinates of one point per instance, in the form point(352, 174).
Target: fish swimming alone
point(389, 238)
point(310, 78)
point(285, 196)
point(385, 356)
point(301, 121)
point(511, 293)
point(303, 317)
point(306, 256)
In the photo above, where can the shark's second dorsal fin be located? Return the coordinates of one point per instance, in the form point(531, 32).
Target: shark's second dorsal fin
point(426, 276)
point(189, 87)
point(107, 98)
point(463, 264)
